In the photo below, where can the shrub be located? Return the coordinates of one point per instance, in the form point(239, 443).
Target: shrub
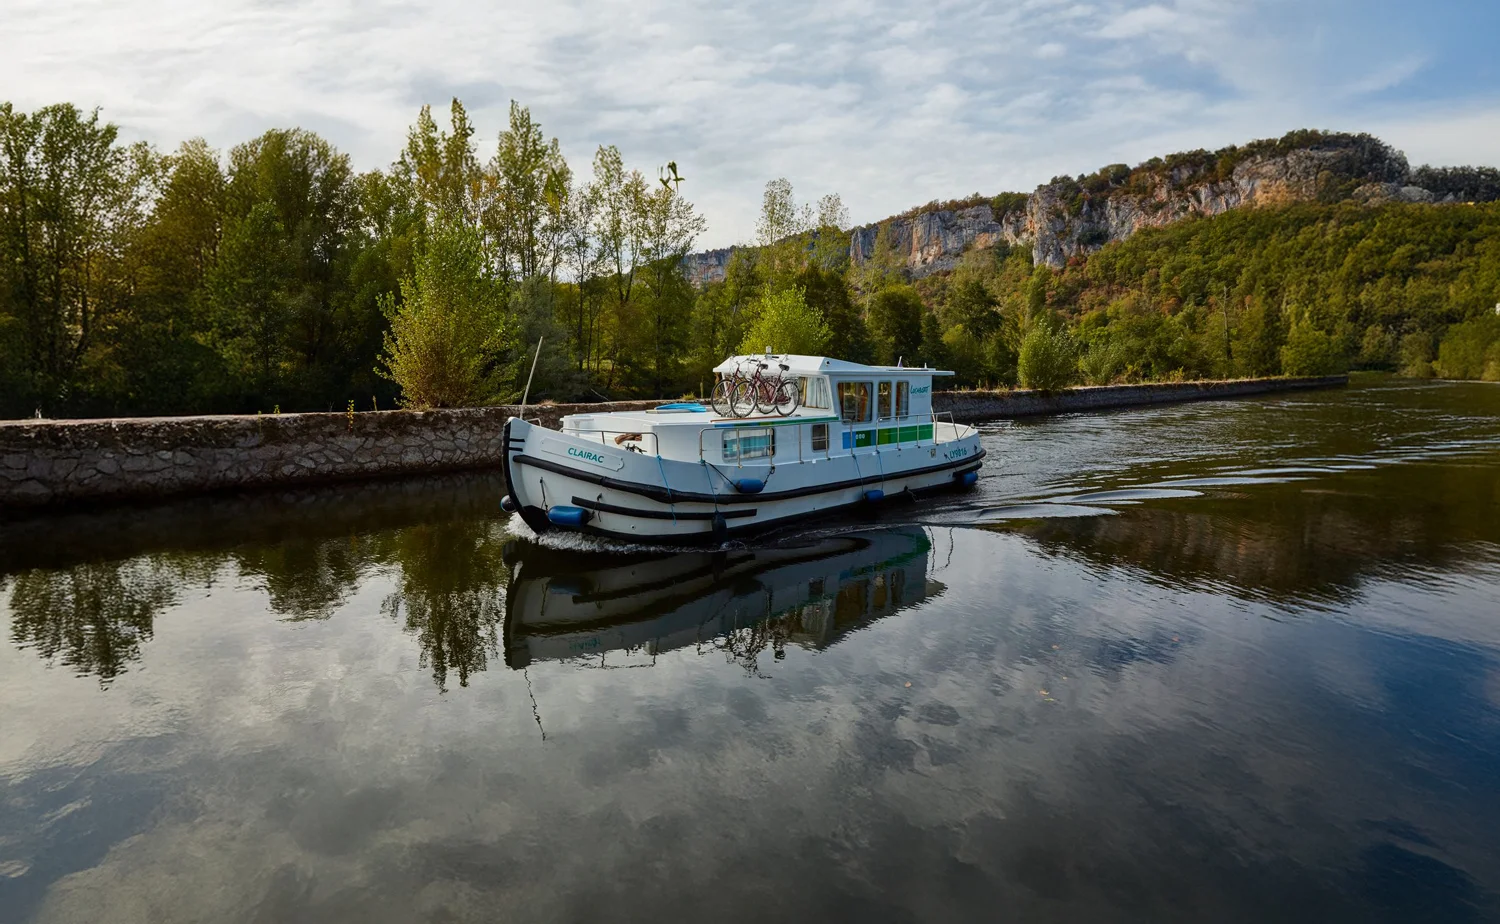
point(1049, 358)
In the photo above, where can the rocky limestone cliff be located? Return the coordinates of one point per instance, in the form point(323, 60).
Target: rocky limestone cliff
point(1069, 218)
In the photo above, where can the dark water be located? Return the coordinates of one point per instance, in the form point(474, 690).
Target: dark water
point(1232, 661)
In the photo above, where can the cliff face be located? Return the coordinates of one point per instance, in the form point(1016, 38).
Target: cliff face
point(1068, 218)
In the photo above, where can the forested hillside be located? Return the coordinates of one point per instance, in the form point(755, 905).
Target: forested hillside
point(275, 276)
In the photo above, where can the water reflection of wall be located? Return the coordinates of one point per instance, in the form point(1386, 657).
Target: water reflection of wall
point(1297, 541)
point(565, 605)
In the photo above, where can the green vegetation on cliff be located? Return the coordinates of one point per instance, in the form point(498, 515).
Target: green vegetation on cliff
point(1298, 290)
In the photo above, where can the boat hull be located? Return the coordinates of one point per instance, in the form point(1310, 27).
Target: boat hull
point(561, 481)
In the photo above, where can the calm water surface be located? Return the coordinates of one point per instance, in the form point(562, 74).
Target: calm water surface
point(1231, 661)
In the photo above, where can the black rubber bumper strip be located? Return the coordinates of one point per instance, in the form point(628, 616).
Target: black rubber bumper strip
point(662, 495)
point(658, 514)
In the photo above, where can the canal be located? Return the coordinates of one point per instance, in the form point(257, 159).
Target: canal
point(1220, 661)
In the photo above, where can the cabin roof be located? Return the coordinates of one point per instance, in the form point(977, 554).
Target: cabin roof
point(823, 365)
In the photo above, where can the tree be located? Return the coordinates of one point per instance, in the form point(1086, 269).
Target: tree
point(68, 197)
point(1049, 358)
point(313, 196)
point(620, 232)
point(449, 332)
point(526, 173)
point(440, 170)
point(1309, 351)
point(896, 323)
point(780, 229)
point(669, 225)
point(786, 324)
point(247, 291)
point(827, 292)
point(831, 241)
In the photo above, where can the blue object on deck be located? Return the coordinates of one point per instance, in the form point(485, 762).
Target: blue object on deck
point(684, 406)
point(966, 479)
point(508, 505)
point(873, 495)
point(563, 515)
point(749, 485)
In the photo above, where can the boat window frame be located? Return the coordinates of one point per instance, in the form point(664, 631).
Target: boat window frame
point(885, 394)
point(903, 399)
point(869, 403)
point(736, 437)
point(814, 391)
point(820, 437)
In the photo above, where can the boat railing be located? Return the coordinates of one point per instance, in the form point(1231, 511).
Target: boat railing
point(907, 420)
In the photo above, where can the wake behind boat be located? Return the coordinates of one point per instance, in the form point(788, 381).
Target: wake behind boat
point(795, 437)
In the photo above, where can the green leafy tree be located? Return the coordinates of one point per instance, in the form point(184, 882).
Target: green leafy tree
point(439, 170)
point(251, 314)
point(1469, 349)
point(1049, 358)
point(827, 292)
point(896, 323)
point(1309, 351)
point(785, 323)
point(68, 195)
point(450, 333)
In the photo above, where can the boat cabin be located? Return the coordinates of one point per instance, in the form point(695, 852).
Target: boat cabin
point(845, 408)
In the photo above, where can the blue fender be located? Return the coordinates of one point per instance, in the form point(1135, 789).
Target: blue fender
point(749, 485)
point(966, 479)
point(874, 495)
point(563, 515)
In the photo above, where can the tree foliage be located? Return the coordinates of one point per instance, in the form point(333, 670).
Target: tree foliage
point(785, 323)
point(450, 331)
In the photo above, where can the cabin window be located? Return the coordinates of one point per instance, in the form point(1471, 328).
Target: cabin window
point(820, 437)
point(883, 400)
point(903, 399)
point(815, 392)
point(854, 401)
point(740, 445)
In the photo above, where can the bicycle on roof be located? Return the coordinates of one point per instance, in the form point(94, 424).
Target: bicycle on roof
point(738, 394)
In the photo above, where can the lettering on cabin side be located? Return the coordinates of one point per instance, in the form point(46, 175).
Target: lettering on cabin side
point(921, 389)
point(584, 454)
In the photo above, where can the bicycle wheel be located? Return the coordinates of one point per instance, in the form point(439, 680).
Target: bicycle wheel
point(787, 398)
point(742, 401)
point(765, 396)
point(723, 398)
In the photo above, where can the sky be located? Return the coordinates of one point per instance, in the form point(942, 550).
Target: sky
point(888, 104)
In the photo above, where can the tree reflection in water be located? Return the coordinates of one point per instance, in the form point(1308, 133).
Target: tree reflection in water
point(91, 617)
point(450, 594)
point(306, 578)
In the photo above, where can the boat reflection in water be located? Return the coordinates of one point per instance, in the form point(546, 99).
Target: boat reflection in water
point(569, 604)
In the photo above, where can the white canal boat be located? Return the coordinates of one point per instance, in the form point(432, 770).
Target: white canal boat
point(854, 435)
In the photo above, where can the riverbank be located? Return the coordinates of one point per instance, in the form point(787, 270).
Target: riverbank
point(51, 463)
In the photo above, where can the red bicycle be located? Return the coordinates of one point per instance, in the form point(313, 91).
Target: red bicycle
point(738, 394)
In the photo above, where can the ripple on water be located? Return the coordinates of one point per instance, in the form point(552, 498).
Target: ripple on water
point(1041, 511)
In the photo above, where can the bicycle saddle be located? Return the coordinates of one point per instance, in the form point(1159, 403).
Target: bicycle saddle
point(784, 367)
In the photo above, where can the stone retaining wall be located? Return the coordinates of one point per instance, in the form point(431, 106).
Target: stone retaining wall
point(990, 405)
point(44, 463)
